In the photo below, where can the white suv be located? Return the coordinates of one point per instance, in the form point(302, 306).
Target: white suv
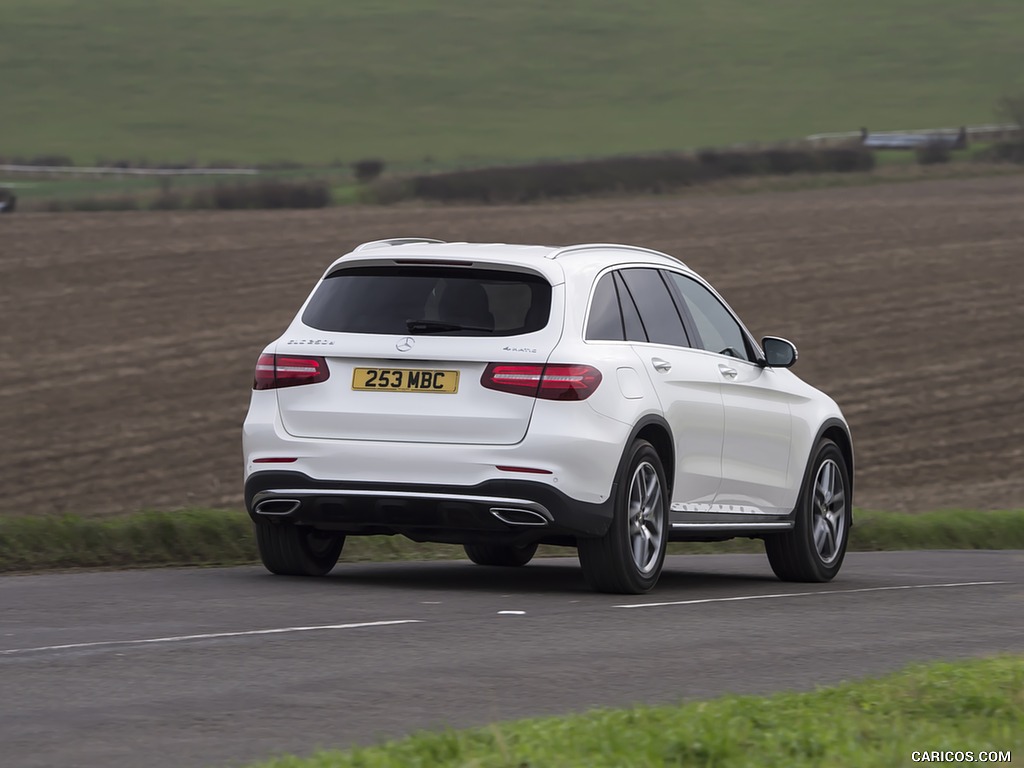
point(504, 396)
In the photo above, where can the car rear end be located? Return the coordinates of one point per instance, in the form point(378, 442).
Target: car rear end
point(420, 391)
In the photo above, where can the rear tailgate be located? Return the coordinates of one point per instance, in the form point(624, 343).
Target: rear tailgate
point(420, 410)
point(424, 384)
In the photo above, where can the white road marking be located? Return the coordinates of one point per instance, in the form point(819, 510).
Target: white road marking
point(808, 594)
point(511, 613)
point(207, 636)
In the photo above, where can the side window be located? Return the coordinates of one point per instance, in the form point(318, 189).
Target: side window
point(657, 308)
point(605, 321)
point(719, 332)
point(630, 314)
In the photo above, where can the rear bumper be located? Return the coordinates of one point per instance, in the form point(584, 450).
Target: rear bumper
point(516, 511)
point(579, 449)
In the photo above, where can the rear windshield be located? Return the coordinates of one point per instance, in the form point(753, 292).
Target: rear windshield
point(450, 301)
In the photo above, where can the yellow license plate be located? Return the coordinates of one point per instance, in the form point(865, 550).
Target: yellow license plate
point(405, 380)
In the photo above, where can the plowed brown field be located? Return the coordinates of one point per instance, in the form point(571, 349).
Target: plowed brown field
point(129, 339)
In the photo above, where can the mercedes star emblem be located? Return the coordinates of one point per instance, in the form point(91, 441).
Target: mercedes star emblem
point(405, 344)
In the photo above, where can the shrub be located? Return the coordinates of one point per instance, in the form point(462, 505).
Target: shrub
point(630, 174)
point(521, 184)
point(1010, 147)
point(385, 192)
point(1002, 152)
point(269, 194)
point(367, 170)
point(93, 204)
point(846, 159)
point(933, 153)
point(258, 195)
point(169, 200)
point(787, 161)
point(719, 164)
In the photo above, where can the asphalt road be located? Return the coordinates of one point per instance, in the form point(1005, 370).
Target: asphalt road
point(227, 666)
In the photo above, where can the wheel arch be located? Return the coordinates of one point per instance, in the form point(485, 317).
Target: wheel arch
point(656, 431)
point(839, 433)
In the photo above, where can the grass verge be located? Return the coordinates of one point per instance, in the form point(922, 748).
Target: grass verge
point(975, 706)
point(213, 537)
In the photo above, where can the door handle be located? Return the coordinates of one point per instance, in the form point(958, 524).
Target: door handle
point(725, 370)
point(661, 365)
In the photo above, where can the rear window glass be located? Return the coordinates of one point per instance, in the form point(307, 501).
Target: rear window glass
point(430, 300)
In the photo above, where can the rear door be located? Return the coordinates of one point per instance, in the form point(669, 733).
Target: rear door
point(686, 382)
point(406, 347)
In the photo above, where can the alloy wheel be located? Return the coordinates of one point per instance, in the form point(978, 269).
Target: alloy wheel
point(646, 521)
point(828, 511)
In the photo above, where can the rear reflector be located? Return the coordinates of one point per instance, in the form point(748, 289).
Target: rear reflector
point(554, 381)
point(528, 470)
point(275, 460)
point(275, 371)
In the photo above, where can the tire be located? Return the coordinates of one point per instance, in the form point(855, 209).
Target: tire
point(287, 549)
point(813, 550)
point(500, 554)
point(629, 557)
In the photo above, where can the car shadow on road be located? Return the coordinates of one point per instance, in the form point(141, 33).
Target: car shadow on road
point(550, 575)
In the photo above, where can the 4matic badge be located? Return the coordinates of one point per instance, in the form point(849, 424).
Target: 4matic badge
point(311, 342)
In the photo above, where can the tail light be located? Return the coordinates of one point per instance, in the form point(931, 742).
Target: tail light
point(554, 381)
point(275, 371)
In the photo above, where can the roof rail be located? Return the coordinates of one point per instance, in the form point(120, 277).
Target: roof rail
point(394, 241)
point(607, 247)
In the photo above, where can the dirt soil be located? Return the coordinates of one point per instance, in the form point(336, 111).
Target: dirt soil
point(129, 339)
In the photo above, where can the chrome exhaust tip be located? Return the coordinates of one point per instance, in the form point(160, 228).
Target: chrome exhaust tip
point(514, 516)
point(278, 507)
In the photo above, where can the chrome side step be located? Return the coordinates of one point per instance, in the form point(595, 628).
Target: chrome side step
point(751, 526)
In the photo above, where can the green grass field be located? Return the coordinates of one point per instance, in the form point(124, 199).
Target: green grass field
point(470, 82)
point(970, 706)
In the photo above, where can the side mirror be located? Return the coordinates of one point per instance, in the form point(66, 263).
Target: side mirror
point(778, 353)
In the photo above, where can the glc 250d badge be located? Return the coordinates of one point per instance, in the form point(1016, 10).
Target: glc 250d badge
point(405, 344)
